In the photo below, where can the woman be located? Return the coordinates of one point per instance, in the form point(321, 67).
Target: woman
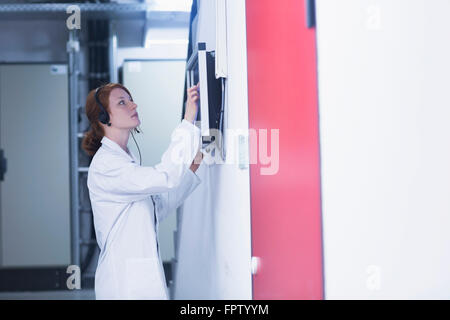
point(128, 200)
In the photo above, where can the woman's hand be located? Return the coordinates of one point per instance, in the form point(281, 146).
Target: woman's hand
point(196, 163)
point(192, 103)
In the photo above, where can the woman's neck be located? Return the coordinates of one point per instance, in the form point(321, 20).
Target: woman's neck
point(118, 136)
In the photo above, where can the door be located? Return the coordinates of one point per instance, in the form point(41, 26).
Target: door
point(285, 197)
point(35, 194)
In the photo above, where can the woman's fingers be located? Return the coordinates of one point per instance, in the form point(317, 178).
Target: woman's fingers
point(194, 88)
point(193, 95)
point(193, 98)
point(192, 103)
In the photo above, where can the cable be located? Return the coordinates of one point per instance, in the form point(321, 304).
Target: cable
point(140, 158)
point(222, 106)
point(221, 129)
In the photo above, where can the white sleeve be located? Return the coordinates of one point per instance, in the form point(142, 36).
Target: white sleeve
point(167, 202)
point(120, 180)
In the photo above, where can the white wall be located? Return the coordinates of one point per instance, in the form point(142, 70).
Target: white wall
point(384, 109)
point(163, 43)
point(214, 239)
point(206, 24)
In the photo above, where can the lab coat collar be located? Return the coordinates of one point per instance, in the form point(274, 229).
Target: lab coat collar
point(113, 145)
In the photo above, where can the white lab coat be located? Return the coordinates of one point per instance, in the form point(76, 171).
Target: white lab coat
point(121, 192)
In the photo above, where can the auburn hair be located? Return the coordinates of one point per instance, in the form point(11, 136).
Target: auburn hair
point(93, 137)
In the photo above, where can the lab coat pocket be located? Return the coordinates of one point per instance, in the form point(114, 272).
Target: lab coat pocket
point(143, 279)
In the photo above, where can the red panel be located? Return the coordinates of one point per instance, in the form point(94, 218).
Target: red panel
point(282, 92)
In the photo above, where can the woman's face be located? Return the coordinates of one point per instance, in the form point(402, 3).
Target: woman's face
point(122, 110)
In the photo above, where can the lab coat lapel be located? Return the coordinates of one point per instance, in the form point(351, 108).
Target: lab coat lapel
point(113, 145)
point(134, 157)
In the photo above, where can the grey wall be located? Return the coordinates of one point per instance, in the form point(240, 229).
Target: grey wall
point(45, 41)
point(33, 41)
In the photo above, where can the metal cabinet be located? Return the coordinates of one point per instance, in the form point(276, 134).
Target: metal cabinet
point(35, 191)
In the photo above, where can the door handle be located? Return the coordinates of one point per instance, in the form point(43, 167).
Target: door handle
point(310, 9)
point(2, 165)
